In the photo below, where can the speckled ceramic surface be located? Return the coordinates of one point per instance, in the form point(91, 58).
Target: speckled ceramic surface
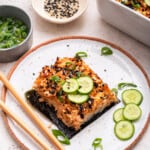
point(119, 67)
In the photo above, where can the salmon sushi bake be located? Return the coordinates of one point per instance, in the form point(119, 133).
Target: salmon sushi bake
point(71, 94)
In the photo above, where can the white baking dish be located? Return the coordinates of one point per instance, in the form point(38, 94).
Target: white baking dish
point(125, 19)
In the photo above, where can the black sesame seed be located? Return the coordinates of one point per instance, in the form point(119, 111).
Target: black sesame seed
point(81, 115)
point(95, 84)
point(61, 8)
point(81, 108)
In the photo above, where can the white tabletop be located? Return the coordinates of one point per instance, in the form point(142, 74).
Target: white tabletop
point(89, 24)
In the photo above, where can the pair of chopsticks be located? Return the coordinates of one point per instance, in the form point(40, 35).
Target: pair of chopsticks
point(32, 115)
point(23, 125)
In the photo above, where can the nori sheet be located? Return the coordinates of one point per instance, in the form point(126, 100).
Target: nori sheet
point(50, 112)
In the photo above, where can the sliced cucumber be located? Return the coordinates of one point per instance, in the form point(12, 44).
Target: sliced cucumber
point(71, 85)
point(118, 115)
point(132, 96)
point(124, 129)
point(147, 2)
point(85, 85)
point(78, 98)
point(132, 112)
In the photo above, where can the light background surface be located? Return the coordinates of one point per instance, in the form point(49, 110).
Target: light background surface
point(89, 24)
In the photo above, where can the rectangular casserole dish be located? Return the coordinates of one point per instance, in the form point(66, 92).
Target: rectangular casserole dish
point(125, 19)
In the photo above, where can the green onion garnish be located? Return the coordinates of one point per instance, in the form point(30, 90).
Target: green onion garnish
point(106, 51)
point(12, 32)
point(137, 5)
point(78, 74)
point(61, 137)
point(55, 79)
point(97, 143)
point(60, 98)
point(115, 90)
point(81, 54)
point(62, 82)
point(70, 65)
point(59, 95)
point(124, 84)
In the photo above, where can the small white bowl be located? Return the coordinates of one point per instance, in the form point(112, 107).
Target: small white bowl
point(125, 19)
point(38, 6)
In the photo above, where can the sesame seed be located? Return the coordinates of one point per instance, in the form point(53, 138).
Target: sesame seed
point(61, 8)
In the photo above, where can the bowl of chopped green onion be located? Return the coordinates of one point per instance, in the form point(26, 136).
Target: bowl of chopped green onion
point(15, 33)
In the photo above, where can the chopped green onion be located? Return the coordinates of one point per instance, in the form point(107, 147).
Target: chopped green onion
point(78, 74)
point(55, 79)
point(81, 54)
point(106, 51)
point(60, 98)
point(97, 143)
point(24, 34)
point(70, 65)
point(124, 84)
point(137, 5)
point(12, 32)
point(115, 90)
point(59, 95)
point(124, 2)
point(62, 82)
point(61, 137)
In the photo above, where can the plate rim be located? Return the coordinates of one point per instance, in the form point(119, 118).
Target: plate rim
point(14, 67)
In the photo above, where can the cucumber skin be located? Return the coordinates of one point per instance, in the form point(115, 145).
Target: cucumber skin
point(69, 92)
point(116, 112)
point(135, 118)
point(78, 102)
point(87, 92)
point(124, 139)
point(140, 101)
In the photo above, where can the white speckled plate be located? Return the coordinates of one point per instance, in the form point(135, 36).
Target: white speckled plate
point(119, 67)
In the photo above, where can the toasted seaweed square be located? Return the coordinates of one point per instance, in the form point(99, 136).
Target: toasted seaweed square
point(49, 111)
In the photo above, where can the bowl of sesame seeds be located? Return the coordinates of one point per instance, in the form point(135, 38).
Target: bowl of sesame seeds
point(59, 11)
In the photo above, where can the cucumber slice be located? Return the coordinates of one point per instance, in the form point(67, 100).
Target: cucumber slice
point(147, 2)
point(70, 85)
point(124, 129)
point(85, 85)
point(132, 112)
point(78, 98)
point(132, 96)
point(118, 115)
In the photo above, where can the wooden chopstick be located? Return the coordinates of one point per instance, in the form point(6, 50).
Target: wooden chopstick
point(31, 113)
point(23, 125)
